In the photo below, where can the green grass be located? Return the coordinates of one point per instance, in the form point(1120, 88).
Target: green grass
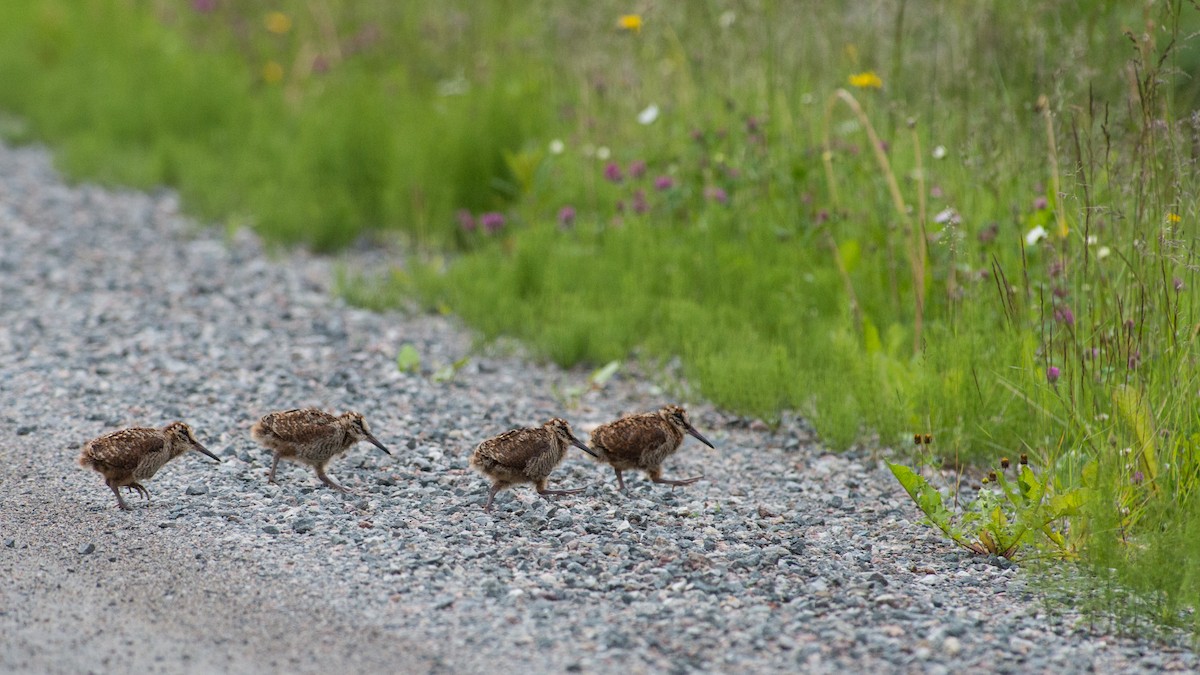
point(753, 233)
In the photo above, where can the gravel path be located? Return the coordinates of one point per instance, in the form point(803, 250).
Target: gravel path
point(117, 311)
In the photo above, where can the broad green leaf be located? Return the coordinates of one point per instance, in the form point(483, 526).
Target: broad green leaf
point(928, 499)
point(1067, 504)
point(1134, 409)
point(1031, 487)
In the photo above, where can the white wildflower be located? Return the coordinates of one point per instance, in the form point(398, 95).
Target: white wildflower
point(648, 115)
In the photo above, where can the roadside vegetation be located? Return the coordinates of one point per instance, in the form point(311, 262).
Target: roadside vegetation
point(969, 221)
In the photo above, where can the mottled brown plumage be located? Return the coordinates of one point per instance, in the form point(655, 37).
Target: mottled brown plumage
point(128, 456)
point(525, 456)
point(312, 437)
point(644, 441)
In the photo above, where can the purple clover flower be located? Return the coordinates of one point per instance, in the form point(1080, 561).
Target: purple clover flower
point(1065, 316)
point(716, 194)
point(1137, 478)
point(204, 6)
point(1178, 284)
point(612, 173)
point(637, 169)
point(640, 205)
point(1041, 204)
point(1052, 374)
point(566, 216)
point(664, 183)
point(491, 221)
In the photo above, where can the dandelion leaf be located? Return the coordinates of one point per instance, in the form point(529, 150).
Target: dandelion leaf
point(1031, 488)
point(928, 499)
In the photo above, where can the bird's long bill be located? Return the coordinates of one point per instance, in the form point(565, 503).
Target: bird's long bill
point(579, 444)
point(201, 448)
point(375, 442)
point(692, 430)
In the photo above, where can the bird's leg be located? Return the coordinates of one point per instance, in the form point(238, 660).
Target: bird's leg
point(496, 487)
point(329, 481)
point(274, 463)
point(656, 476)
point(120, 502)
point(544, 491)
point(140, 489)
point(620, 480)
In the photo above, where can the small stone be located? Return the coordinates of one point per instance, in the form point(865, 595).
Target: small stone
point(26, 429)
point(270, 529)
point(1020, 645)
point(194, 490)
point(952, 646)
point(889, 600)
point(302, 525)
point(10, 543)
point(87, 549)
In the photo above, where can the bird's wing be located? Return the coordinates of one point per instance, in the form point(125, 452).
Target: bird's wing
point(514, 449)
point(298, 426)
point(628, 437)
point(122, 450)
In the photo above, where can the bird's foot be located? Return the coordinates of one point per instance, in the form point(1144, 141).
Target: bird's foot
point(550, 493)
point(673, 482)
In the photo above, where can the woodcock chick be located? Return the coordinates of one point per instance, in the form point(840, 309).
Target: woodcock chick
point(525, 456)
point(312, 437)
point(644, 441)
point(128, 456)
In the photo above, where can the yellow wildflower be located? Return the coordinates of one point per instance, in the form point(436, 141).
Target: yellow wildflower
point(278, 23)
point(1173, 218)
point(866, 80)
point(272, 72)
point(630, 22)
